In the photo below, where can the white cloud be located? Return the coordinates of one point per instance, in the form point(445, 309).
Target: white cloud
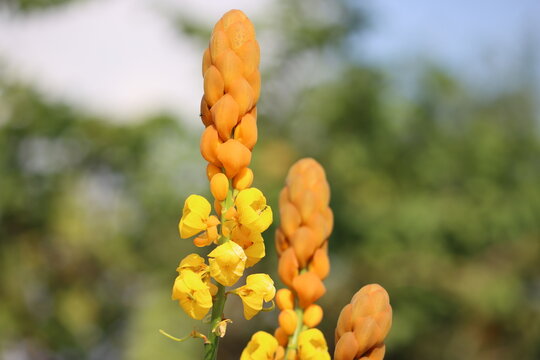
point(119, 58)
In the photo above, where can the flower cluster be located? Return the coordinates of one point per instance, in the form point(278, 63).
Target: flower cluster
point(301, 242)
point(228, 111)
point(241, 215)
point(232, 85)
point(363, 325)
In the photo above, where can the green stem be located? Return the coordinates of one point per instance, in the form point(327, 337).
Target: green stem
point(293, 339)
point(211, 349)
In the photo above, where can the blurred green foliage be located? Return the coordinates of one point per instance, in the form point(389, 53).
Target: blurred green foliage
point(436, 197)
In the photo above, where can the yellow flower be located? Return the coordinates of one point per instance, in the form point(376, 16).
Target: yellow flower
point(227, 263)
point(252, 210)
point(312, 345)
point(252, 242)
point(195, 263)
point(192, 294)
point(196, 218)
point(258, 288)
point(262, 346)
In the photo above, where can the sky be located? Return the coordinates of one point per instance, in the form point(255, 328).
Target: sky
point(124, 59)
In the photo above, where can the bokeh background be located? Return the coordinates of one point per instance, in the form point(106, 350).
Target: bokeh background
point(425, 115)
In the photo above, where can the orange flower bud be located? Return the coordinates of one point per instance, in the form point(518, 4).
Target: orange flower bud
point(202, 241)
point(234, 156)
point(217, 206)
point(320, 264)
point(214, 87)
point(243, 179)
point(344, 323)
point(209, 144)
point(288, 267)
point(206, 115)
point(281, 336)
point(229, 18)
point(313, 315)
point(346, 347)
point(212, 170)
point(368, 318)
point(290, 218)
point(246, 131)
point(287, 321)
point(255, 81)
point(280, 352)
point(377, 353)
point(230, 66)
point(329, 217)
point(284, 197)
point(285, 299)
point(219, 186)
point(219, 43)
point(250, 55)
point(309, 288)
point(206, 61)
point(225, 116)
point(317, 222)
point(304, 242)
point(282, 243)
point(242, 93)
point(239, 33)
point(307, 204)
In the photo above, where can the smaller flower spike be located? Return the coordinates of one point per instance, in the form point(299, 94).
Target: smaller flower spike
point(363, 325)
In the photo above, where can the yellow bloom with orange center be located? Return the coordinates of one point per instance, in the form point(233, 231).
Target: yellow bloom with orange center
point(227, 263)
point(262, 346)
point(251, 241)
point(192, 294)
point(196, 219)
point(312, 345)
point(259, 288)
point(252, 210)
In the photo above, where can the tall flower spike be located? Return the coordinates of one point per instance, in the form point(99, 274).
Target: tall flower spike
point(302, 246)
point(232, 85)
point(363, 325)
point(228, 111)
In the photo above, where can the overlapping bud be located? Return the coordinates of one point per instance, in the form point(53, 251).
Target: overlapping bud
point(302, 246)
point(232, 85)
point(363, 325)
point(306, 223)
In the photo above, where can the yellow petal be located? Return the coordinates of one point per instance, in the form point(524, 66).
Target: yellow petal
point(255, 253)
point(192, 294)
point(262, 283)
point(252, 209)
point(227, 263)
point(194, 263)
point(312, 345)
point(198, 205)
point(196, 212)
point(262, 346)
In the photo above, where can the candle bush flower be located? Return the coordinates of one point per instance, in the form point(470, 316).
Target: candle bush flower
point(242, 214)
point(228, 111)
